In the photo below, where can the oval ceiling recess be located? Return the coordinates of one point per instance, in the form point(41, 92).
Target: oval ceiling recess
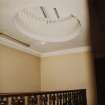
point(49, 24)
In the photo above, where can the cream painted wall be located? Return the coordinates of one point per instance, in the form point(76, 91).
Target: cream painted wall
point(19, 72)
point(70, 71)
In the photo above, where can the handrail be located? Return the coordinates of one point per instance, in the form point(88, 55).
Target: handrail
point(38, 92)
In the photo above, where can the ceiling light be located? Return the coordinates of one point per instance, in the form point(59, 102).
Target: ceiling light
point(47, 24)
point(43, 42)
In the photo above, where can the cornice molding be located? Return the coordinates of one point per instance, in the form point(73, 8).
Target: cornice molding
point(67, 51)
point(14, 45)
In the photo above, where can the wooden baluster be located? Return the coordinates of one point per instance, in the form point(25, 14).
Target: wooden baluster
point(41, 100)
point(80, 98)
point(18, 100)
point(14, 101)
point(79, 101)
point(50, 99)
point(69, 98)
point(32, 100)
point(74, 94)
point(3, 100)
point(64, 98)
point(72, 98)
point(57, 98)
point(75, 98)
point(53, 99)
point(45, 99)
point(60, 99)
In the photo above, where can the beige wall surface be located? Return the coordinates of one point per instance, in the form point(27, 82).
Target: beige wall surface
point(70, 71)
point(19, 72)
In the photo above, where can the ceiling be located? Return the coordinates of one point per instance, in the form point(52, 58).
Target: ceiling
point(9, 9)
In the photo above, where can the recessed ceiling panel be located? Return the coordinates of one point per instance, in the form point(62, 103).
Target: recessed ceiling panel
point(50, 24)
point(46, 25)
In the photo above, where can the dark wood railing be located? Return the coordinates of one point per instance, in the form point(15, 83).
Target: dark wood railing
point(68, 97)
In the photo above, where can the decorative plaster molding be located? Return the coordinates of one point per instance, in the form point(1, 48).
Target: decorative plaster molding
point(14, 45)
point(67, 51)
point(11, 44)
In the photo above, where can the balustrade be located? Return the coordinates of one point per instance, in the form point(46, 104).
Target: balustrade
point(68, 97)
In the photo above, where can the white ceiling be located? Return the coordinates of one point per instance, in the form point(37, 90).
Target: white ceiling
point(79, 8)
